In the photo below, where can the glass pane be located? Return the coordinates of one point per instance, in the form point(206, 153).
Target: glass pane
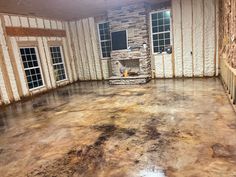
point(167, 21)
point(155, 30)
point(161, 36)
point(160, 15)
point(154, 23)
point(167, 28)
point(155, 43)
point(167, 14)
point(154, 16)
point(161, 28)
point(155, 37)
point(167, 35)
point(160, 22)
point(167, 41)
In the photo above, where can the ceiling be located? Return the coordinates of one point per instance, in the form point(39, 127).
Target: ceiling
point(63, 9)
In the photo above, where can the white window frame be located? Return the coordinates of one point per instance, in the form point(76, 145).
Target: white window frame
point(150, 16)
point(100, 41)
point(63, 62)
point(39, 66)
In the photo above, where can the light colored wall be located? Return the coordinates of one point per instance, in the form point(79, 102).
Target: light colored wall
point(13, 84)
point(83, 38)
point(194, 29)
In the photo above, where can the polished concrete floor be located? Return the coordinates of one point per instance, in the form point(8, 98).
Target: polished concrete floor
point(166, 128)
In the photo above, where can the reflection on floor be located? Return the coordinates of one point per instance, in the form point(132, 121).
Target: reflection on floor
point(172, 128)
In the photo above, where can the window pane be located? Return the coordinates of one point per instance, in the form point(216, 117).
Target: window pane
point(167, 14)
point(167, 35)
point(161, 42)
point(27, 51)
point(155, 43)
point(22, 51)
point(161, 36)
point(154, 23)
point(160, 15)
point(58, 65)
point(167, 28)
point(167, 42)
point(160, 22)
point(32, 50)
point(155, 37)
point(155, 30)
point(156, 49)
point(154, 16)
point(161, 28)
point(167, 21)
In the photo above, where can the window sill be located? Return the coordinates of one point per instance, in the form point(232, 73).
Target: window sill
point(36, 89)
point(107, 58)
point(62, 82)
point(163, 53)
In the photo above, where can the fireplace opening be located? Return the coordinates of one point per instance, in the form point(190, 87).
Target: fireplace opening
point(128, 68)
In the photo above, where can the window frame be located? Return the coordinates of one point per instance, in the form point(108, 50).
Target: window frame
point(39, 66)
point(100, 41)
point(63, 62)
point(151, 32)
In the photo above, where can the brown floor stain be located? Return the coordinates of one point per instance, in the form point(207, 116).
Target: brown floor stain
point(166, 128)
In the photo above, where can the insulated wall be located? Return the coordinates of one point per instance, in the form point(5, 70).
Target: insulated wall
point(82, 37)
point(194, 41)
point(13, 82)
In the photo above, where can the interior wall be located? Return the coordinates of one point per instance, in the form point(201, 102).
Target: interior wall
point(228, 31)
point(194, 40)
point(13, 83)
point(82, 38)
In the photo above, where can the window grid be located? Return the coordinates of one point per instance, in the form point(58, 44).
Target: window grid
point(105, 39)
point(161, 26)
point(58, 63)
point(31, 67)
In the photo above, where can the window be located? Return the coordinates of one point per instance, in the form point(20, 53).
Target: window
point(32, 69)
point(119, 40)
point(161, 37)
point(105, 39)
point(58, 63)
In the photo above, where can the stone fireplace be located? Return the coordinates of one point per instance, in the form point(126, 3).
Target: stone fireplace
point(136, 58)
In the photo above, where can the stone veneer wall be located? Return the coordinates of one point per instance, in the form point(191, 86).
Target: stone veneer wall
point(132, 18)
point(228, 30)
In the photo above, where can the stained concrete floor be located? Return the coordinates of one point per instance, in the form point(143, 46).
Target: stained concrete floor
point(172, 128)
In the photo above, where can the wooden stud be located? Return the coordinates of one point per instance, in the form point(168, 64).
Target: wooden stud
point(198, 37)
point(19, 66)
point(76, 50)
point(94, 41)
point(13, 90)
point(209, 37)
point(67, 60)
point(187, 37)
point(81, 41)
point(177, 37)
point(70, 48)
point(88, 48)
point(21, 31)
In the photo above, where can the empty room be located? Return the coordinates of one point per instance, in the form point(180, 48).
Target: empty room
point(118, 88)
